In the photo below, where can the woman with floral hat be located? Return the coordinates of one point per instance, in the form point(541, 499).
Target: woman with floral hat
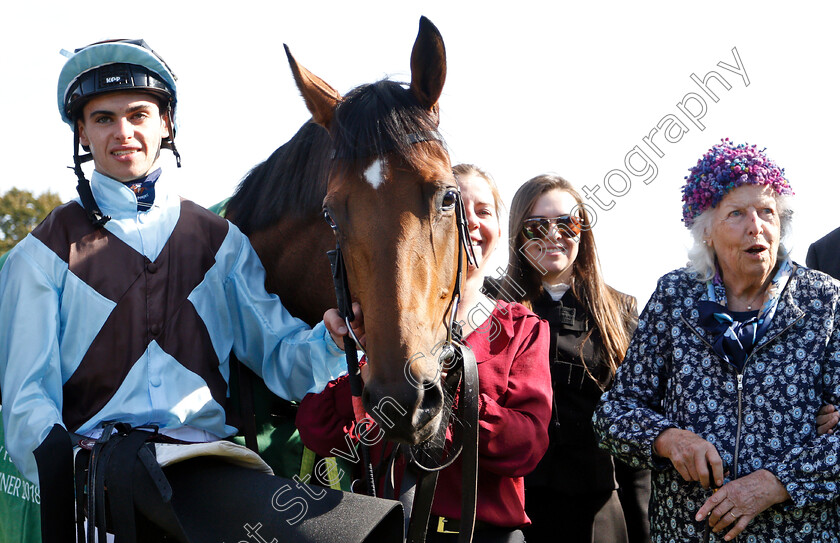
point(733, 358)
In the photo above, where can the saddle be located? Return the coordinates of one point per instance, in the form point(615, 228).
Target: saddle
point(122, 489)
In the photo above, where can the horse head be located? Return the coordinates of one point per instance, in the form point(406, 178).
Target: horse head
point(392, 200)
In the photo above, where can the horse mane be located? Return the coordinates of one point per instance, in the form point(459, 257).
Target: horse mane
point(290, 182)
point(379, 118)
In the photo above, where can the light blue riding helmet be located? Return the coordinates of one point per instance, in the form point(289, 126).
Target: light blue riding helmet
point(112, 66)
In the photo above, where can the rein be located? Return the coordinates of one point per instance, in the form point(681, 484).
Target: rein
point(464, 374)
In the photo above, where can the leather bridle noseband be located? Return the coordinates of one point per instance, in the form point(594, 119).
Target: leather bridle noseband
point(463, 373)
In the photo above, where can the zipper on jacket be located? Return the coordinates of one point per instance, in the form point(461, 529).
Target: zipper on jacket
point(740, 377)
point(740, 387)
point(701, 338)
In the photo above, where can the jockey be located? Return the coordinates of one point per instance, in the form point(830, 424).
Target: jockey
point(119, 315)
point(109, 67)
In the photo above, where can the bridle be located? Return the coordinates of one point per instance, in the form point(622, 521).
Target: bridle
point(464, 247)
point(463, 373)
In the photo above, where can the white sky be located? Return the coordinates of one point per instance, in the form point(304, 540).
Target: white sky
point(532, 87)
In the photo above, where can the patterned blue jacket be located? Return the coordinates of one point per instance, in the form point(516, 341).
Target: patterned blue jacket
point(762, 418)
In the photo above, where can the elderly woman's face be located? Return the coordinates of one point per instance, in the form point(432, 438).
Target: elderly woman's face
point(745, 233)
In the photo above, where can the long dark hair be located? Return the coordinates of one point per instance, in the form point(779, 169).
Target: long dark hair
point(611, 317)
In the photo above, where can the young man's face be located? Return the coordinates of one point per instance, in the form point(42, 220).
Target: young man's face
point(124, 131)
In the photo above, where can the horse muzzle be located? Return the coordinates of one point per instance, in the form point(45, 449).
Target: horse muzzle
point(408, 412)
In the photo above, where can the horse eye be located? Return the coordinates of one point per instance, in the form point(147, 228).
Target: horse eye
point(450, 198)
point(330, 221)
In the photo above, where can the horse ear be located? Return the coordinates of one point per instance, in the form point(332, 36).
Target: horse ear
point(321, 99)
point(428, 65)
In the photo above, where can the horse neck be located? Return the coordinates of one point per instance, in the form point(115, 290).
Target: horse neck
point(291, 182)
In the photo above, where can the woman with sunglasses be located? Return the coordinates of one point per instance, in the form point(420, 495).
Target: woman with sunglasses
point(553, 269)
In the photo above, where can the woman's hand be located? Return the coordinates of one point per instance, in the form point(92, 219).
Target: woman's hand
point(739, 501)
point(338, 328)
point(691, 455)
point(827, 418)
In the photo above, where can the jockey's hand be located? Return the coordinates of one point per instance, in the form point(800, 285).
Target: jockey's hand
point(691, 455)
point(338, 328)
point(827, 418)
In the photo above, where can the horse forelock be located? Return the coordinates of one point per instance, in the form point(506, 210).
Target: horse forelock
point(378, 119)
point(290, 182)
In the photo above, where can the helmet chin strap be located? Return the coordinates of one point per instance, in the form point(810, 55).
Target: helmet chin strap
point(94, 214)
point(169, 142)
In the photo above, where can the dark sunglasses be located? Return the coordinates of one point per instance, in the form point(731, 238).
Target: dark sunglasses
point(568, 226)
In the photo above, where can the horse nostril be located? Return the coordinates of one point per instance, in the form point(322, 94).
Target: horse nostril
point(407, 414)
point(432, 396)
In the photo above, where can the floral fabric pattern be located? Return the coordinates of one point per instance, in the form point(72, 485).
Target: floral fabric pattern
point(672, 377)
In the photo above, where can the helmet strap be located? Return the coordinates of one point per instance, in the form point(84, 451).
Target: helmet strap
point(169, 143)
point(83, 187)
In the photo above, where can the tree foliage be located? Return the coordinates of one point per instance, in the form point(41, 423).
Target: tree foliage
point(20, 212)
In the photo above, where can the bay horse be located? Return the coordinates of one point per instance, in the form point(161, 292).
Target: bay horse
point(371, 162)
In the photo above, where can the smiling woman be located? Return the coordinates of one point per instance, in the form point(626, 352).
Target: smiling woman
point(553, 268)
point(483, 206)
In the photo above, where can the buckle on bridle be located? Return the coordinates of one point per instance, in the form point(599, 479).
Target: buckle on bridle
point(353, 335)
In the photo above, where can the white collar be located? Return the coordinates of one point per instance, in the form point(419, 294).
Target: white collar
point(556, 291)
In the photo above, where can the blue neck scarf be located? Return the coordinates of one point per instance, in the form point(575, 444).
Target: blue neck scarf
point(144, 190)
point(733, 334)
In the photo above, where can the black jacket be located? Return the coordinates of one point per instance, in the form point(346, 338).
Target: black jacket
point(574, 464)
point(824, 254)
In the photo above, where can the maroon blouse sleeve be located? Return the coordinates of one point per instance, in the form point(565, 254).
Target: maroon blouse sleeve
point(324, 419)
point(513, 425)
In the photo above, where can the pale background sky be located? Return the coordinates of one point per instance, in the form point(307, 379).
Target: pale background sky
point(532, 87)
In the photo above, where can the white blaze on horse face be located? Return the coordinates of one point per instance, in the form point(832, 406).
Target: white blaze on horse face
point(375, 173)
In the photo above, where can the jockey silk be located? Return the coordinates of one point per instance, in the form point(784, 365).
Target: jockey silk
point(93, 327)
